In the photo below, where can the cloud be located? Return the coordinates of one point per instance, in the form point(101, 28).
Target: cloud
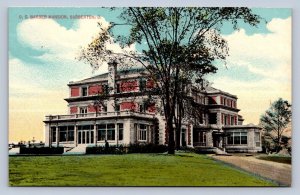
point(267, 57)
point(54, 39)
point(38, 89)
point(261, 53)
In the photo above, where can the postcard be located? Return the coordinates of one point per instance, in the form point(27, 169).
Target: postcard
point(150, 96)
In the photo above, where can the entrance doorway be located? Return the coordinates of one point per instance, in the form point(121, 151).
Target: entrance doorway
point(218, 139)
point(85, 137)
point(85, 134)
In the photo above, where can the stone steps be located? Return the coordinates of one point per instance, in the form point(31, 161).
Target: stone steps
point(80, 149)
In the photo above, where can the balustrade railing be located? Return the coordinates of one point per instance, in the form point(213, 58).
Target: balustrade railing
point(100, 114)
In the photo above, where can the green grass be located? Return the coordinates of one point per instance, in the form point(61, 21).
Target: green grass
point(280, 159)
point(127, 170)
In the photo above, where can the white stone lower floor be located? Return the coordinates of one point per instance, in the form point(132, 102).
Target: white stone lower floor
point(131, 130)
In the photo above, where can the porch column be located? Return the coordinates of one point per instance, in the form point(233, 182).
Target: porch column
point(95, 134)
point(75, 135)
point(147, 134)
point(49, 135)
point(224, 143)
point(190, 135)
point(57, 136)
point(209, 139)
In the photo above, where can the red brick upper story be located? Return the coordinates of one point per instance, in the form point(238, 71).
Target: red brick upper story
point(221, 103)
point(215, 98)
point(141, 85)
point(123, 86)
point(124, 105)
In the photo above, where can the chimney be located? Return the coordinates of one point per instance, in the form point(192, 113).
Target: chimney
point(112, 71)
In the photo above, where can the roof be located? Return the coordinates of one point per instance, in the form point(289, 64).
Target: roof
point(211, 90)
point(103, 77)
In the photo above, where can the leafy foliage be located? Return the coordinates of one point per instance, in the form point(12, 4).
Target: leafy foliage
point(182, 45)
point(274, 121)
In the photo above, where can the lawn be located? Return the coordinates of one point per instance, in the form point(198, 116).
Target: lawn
point(280, 159)
point(184, 169)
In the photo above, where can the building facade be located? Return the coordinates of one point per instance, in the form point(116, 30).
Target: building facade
point(125, 117)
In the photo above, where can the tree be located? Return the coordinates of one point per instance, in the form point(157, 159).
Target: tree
point(275, 120)
point(182, 45)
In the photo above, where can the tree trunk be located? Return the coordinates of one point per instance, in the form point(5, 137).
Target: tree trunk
point(171, 141)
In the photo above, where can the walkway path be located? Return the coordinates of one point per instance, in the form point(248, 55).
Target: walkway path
point(279, 172)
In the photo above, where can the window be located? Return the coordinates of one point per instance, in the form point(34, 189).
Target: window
point(79, 137)
point(83, 136)
point(85, 127)
point(105, 89)
point(117, 107)
point(142, 108)
point(101, 132)
point(70, 133)
point(92, 137)
point(118, 87)
point(213, 118)
point(83, 111)
point(53, 133)
point(142, 85)
point(230, 138)
point(237, 138)
point(257, 139)
point(62, 134)
point(110, 131)
point(211, 100)
point(202, 136)
point(243, 137)
point(232, 120)
point(224, 101)
point(142, 133)
point(104, 108)
point(83, 91)
point(225, 120)
point(106, 132)
point(120, 129)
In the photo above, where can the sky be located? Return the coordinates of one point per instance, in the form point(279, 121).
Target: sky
point(42, 60)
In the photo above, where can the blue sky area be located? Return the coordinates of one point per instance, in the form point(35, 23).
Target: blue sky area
point(27, 54)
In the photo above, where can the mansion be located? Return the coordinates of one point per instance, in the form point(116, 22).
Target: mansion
point(122, 117)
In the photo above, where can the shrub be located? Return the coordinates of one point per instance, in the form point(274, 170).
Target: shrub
point(105, 150)
point(42, 150)
point(147, 148)
point(132, 148)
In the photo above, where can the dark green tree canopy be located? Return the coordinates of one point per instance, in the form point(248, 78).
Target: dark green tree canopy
point(275, 120)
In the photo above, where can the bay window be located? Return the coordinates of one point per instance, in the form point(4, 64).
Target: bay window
point(237, 138)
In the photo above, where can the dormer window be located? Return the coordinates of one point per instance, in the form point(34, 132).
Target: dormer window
point(84, 91)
